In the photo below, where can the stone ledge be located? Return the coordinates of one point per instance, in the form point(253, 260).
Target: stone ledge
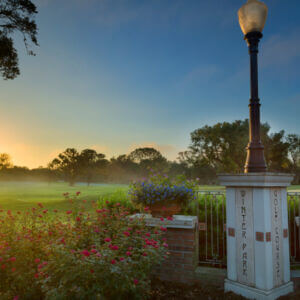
point(178, 221)
point(256, 179)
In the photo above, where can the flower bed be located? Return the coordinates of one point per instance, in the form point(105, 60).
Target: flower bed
point(76, 254)
point(161, 191)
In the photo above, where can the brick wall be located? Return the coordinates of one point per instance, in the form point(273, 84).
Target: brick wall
point(183, 255)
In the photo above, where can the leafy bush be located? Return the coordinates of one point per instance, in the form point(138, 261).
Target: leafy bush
point(119, 196)
point(77, 254)
point(163, 189)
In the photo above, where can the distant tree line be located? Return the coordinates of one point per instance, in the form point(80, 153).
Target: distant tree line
point(213, 149)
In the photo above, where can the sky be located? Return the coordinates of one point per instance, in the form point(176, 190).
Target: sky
point(114, 75)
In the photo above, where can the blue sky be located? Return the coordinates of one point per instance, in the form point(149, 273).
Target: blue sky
point(114, 75)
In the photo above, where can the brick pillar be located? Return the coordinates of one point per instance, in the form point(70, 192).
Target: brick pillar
point(183, 258)
point(182, 237)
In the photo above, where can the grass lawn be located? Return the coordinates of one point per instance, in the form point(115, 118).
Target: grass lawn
point(23, 195)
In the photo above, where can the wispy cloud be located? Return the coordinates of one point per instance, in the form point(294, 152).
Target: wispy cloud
point(280, 50)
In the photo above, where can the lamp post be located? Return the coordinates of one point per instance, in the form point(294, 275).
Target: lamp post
point(258, 256)
point(252, 18)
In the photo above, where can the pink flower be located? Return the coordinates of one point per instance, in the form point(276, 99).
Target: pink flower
point(78, 219)
point(146, 208)
point(135, 281)
point(165, 245)
point(16, 298)
point(69, 212)
point(126, 233)
point(128, 253)
point(170, 218)
point(163, 228)
point(107, 240)
point(121, 258)
point(145, 254)
point(45, 211)
point(94, 251)
point(162, 219)
point(37, 260)
point(85, 253)
point(113, 261)
point(12, 259)
point(98, 254)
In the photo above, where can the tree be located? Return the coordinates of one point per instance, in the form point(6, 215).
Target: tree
point(90, 162)
point(5, 161)
point(148, 158)
point(15, 16)
point(68, 162)
point(222, 147)
point(293, 141)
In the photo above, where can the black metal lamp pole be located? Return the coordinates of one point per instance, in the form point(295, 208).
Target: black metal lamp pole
point(255, 161)
point(252, 17)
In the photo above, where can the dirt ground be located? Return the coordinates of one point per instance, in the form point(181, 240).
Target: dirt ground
point(172, 291)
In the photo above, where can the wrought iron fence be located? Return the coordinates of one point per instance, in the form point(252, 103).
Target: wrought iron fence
point(211, 211)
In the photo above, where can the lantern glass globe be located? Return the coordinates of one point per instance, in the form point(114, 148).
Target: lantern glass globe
point(252, 16)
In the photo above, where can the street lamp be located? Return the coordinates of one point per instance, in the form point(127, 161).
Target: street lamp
point(252, 18)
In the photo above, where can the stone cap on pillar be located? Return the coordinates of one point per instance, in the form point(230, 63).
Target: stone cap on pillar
point(256, 179)
point(178, 221)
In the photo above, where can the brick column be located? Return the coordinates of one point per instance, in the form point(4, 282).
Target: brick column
point(182, 237)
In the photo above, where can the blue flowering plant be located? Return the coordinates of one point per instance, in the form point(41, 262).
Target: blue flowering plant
point(161, 189)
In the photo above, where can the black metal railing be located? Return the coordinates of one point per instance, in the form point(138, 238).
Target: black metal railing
point(211, 211)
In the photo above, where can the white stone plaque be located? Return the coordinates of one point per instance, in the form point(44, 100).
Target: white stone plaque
point(244, 236)
point(276, 236)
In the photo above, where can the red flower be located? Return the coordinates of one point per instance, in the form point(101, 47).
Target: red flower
point(94, 251)
point(12, 259)
point(68, 212)
point(170, 218)
point(92, 271)
point(13, 269)
point(135, 281)
point(163, 228)
point(78, 193)
point(128, 253)
point(40, 205)
point(55, 210)
point(85, 253)
point(126, 233)
point(146, 208)
point(78, 219)
point(113, 261)
point(145, 254)
point(45, 211)
point(16, 298)
point(36, 275)
point(162, 219)
point(121, 258)
point(107, 240)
